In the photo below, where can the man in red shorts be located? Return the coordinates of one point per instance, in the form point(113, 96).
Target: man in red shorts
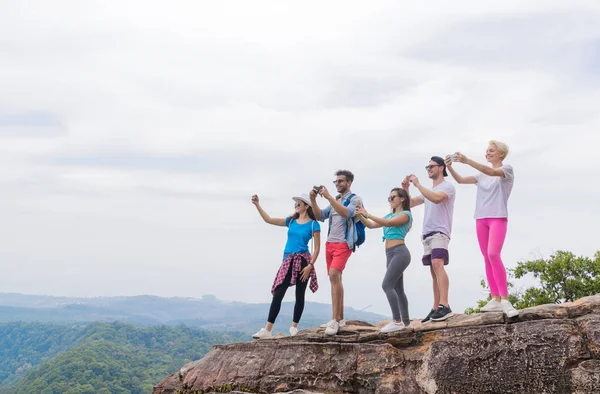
point(340, 240)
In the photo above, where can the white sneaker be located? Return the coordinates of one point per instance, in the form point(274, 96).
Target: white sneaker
point(342, 323)
point(332, 327)
point(293, 331)
point(509, 309)
point(392, 327)
point(492, 306)
point(262, 333)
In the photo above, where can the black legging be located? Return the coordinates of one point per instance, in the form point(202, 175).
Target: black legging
point(280, 293)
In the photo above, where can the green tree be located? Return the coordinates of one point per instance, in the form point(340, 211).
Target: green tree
point(563, 277)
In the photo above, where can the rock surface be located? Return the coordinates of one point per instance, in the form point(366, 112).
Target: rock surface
point(546, 349)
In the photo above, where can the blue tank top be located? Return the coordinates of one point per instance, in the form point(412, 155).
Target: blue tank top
point(397, 232)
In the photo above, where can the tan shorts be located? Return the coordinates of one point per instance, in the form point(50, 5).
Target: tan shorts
point(436, 247)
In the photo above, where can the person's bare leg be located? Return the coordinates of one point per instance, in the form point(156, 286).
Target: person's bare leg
point(337, 293)
point(436, 290)
point(442, 280)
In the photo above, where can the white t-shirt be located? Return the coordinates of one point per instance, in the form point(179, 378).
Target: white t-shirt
point(438, 217)
point(493, 193)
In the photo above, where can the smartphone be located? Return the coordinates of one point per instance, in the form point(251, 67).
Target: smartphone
point(453, 157)
point(318, 188)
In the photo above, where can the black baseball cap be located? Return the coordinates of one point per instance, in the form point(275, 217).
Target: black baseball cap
point(441, 162)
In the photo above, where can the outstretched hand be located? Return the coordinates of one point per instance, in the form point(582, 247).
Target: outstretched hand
point(325, 193)
point(460, 157)
point(360, 210)
point(448, 160)
point(405, 183)
point(255, 199)
point(414, 180)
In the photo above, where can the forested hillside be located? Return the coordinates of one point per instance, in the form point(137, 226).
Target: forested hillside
point(97, 358)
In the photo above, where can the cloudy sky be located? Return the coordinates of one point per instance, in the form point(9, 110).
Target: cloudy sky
point(133, 134)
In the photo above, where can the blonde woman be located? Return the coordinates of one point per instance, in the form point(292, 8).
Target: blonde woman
point(494, 183)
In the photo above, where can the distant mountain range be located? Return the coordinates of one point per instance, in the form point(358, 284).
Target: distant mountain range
point(207, 312)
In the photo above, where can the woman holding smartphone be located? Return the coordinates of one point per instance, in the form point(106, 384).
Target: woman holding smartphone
point(396, 225)
point(494, 184)
point(297, 266)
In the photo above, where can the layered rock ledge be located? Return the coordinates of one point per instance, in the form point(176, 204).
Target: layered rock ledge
point(546, 349)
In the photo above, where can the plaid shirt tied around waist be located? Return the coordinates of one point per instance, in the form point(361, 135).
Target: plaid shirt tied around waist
point(296, 260)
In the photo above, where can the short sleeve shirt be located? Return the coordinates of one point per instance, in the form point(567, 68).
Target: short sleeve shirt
point(493, 193)
point(438, 217)
point(299, 235)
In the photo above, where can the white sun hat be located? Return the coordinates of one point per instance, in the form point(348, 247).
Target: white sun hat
point(303, 197)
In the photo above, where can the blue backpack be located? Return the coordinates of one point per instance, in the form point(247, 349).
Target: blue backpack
point(360, 227)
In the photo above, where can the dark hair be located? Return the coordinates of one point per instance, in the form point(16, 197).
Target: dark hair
point(349, 176)
point(309, 211)
point(406, 203)
point(439, 161)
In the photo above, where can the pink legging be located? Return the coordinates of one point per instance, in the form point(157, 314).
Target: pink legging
point(491, 233)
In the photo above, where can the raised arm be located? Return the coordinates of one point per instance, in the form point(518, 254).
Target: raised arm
point(459, 179)
point(434, 197)
point(265, 216)
point(414, 201)
point(315, 207)
point(396, 221)
point(335, 204)
point(487, 170)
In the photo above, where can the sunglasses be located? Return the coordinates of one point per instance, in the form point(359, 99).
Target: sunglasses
point(429, 167)
point(391, 198)
point(338, 181)
point(297, 204)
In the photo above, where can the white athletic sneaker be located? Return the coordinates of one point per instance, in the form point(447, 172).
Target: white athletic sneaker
point(332, 327)
point(509, 309)
point(492, 306)
point(393, 327)
point(293, 331)
point(262, 333)
point(342, 323)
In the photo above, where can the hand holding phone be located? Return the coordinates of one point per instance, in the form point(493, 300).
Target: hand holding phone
point(318, 188)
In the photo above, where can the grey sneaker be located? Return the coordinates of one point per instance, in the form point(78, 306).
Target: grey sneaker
point(442, 313)
point(428, 317)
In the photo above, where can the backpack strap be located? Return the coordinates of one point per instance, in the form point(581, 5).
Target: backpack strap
point(312, 237)
point(347, 220)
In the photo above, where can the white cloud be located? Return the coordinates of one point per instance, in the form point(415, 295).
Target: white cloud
point(133, 135)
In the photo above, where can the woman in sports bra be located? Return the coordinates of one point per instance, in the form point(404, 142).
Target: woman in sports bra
point(396, 225)
point(297, 266)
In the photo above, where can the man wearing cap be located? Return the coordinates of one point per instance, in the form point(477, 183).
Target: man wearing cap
point(437, 226)
point(340, 240)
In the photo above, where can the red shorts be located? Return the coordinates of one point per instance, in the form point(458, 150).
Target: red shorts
point(337, 255)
